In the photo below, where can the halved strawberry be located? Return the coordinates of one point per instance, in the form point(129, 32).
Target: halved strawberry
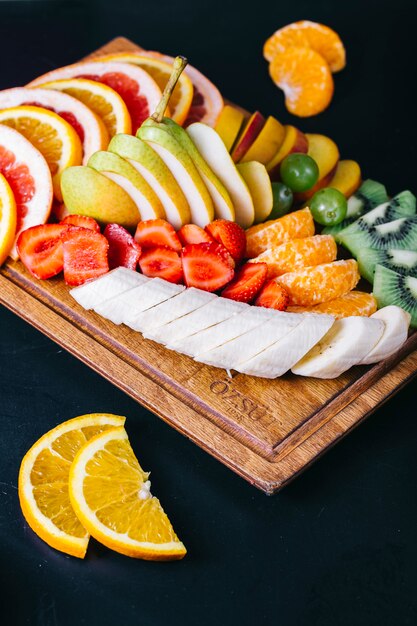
point(152, 233)
point(40, 249)
point(207, 266)
point(123, 249)
point(85, 255)
point(191, 233)
point(247, 283)
point(230, 235)
point(273, 296)
point(161, 262)
point(83, 221)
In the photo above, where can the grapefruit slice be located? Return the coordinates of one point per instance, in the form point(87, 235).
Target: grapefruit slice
point(139, 91)
point(7, 219)
point(182, 96)
point(90, 129)
point(29, 177)
point(207, 102)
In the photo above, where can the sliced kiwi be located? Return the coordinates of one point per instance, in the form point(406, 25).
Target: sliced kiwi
point(401, 261)
point(393, 288)
point(369, 195)
point(400, 234)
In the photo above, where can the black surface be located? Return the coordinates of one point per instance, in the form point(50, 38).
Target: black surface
point(337, 546)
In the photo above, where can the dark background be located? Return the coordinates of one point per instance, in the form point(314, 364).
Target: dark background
point(337, 546)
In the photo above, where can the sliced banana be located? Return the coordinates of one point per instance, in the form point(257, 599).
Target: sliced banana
point(395, 333)
point(348, 341)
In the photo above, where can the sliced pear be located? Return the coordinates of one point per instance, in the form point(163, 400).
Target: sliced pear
point(223, 205)
point(182, 168)
point(215, 153)
point(257, 179)
point(124, 174)
point(153, 169)
point(87, 192)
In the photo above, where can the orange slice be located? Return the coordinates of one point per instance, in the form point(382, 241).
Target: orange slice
point(298, 253)
point(139, 91)
point(207, 102)
point(29, 178)
point(275, 232)
point(102, 100)
point(305, 78)
point(356, 303)
point(87, 125)
point(50, 134)
point(182, 96)
point(43, 482)
point(306, 34)
point(7, 219)
point(111, 496)
point(314, 285)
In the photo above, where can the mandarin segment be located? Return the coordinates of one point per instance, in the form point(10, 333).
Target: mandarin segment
point(272, 233)
point(356, 303)
point(314, 285)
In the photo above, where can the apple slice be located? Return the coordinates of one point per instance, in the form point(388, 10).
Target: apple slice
point(294, 141)
point(214, 152)
point(347, 177)
point(115, 282)
point(267, 143)
point(259, 183)
point(124, 174)
point(87, 192)
point(182, 168)
point(229, 124)
point(326, 154)
point(146, 161)
point(247, 136)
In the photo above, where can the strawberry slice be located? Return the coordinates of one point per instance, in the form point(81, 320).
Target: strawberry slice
point(83, 221)
point(247, 283)
point(207, 266)
point(40, 249)
point(152, 233)
point(230, 235)
point(123, 249)
point(161, 262)
point(191, 233)
point(85, 255)
point(273, 296)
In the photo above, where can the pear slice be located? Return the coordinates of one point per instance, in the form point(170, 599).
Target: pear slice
point(214, 152)
point(223, 205)
point(87, 192)
point(124, 174)
point(257, 179)
point(146, 161)
point(182, 168)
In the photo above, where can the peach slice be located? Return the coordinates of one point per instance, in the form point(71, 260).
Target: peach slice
point(326, 154)
point(347, 177)
point(267, 143)
point(229, 124)
point(248, 136)
point(294, 141)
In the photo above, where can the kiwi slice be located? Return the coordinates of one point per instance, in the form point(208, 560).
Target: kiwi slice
point(401, 261)
point(369, 195)
point(393, 288)
point(400, 234)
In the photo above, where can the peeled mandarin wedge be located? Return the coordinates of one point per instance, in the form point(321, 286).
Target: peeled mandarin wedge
point(353, 303)
point(306, 34)
point(298, 253)
point(8, 219)
point(55, 139)
point(43, 482)
point(275, 232)
point(101, 99)
point(111, 496)
point(314, 285)
point(305, 78)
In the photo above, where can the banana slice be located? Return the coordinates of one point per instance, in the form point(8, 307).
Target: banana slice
point(395, 334)
point(348, 341)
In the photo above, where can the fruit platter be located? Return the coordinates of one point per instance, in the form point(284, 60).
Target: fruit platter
point(263, 320)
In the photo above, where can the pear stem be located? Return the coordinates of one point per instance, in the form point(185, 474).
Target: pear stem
point(179, 65)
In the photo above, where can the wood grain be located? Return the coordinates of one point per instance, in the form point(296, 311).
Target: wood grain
point(266, 431)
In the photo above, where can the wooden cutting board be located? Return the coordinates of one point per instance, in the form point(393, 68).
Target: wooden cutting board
point(266, 431)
